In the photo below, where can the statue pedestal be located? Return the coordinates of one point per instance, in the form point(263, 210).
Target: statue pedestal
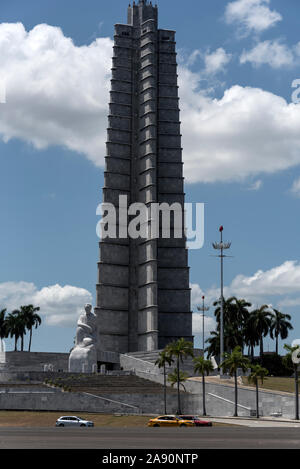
point(83, 359)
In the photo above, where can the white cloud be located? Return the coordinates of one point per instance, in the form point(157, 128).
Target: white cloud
point(60, 306)
point(273, 53)
point(251, 15)
point(216, 61)
point(247, 132)
point(256, 185)
point(196, 300)
point(289, 303)
point(296, 188)
point(263, 287)
point(209, 324)
point(280, 280)
point(56, 92)
point(196, 295)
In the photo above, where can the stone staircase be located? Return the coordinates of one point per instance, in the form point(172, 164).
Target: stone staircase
point(145, 362)
point(100, 385)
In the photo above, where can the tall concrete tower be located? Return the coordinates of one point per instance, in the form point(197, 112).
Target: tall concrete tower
point(143, 294)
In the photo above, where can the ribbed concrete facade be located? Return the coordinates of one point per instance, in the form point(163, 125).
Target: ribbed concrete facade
point(143, 294)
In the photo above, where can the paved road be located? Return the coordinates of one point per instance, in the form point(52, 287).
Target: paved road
point(149, 438)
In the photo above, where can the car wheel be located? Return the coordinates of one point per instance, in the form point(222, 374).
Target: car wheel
point(156, 425)
point(61, 425)
point(183, 425)
point(82, 425)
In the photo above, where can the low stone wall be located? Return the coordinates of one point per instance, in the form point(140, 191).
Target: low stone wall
point(57, 400)
point(220, 398)
point(34, 361)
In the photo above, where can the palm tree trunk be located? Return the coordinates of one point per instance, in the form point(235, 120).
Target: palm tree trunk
point(30, 336)
point(16, 343)
point(178, 387)
point(22, 343)
point(261, 344)
point(257, 405)
point(203, 394)
point(165, 388)
point(235, 395)
point(277, 345)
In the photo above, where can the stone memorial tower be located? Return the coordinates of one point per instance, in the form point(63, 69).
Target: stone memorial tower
point(143, 293)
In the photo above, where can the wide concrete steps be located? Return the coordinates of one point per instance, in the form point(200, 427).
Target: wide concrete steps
point(103, 384)
point(139, 361)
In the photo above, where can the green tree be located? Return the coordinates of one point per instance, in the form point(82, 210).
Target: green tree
point(203, 367)
point(262, 325)
point(178, 379)
point(213, 348)
point(179, 350)
point(20, 324)
point(31, 319)
point(231, 364)
point(163, 360)
point(280, 326)
point(257, 372)
point(15, 327)
point(251, 336)
point(235, 316)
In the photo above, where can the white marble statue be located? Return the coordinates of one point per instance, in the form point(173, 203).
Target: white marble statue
point(83, 357)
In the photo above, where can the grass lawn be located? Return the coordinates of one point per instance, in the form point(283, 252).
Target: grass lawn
point(275, 383)
point(11, 418)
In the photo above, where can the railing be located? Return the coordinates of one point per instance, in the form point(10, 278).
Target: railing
point(227, 400)
point(135, 358)
point(111, 400)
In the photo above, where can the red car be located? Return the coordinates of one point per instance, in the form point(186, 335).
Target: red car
point(197, 420)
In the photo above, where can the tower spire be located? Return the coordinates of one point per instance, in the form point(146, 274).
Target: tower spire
point(141, 11)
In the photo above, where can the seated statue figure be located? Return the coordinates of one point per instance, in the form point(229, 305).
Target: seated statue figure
point(83, 356)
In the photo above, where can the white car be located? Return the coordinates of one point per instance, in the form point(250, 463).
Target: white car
point(73, 421)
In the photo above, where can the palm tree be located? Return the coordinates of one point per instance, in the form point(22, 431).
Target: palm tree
point(31, 319)
point(232, 338)
point(235, 316)
point(179, 349)
point(179, 379)
point(262, 325)
point(20, 324)
point(257, 372)
point(214, 344)
point(231, 363)
point(250, 334)
point(229, 310)
point(3, 328)
point(163, 360)
point(280, 326)
point(203, 367)
point(15, 327)
point(242, 316)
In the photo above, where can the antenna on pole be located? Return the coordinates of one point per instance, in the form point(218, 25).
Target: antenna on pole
point(221, 246)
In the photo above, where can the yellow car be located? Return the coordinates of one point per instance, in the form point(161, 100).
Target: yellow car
point(170, 421)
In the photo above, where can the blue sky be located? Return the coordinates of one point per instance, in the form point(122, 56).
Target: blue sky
point(237, 61)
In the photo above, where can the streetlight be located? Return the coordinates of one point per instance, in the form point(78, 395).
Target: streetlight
point(203, 308)
point(221, 247)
